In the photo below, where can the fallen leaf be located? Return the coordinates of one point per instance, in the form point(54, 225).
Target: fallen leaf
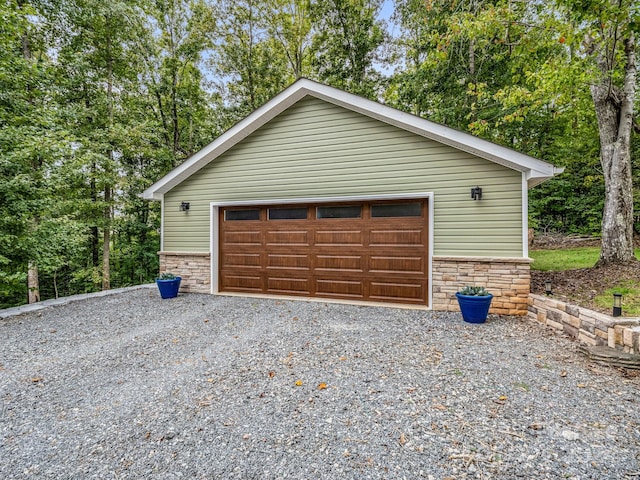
point(322, 386)
point(246, 436)
point(439, 406)
point(206, 320)
point(563, 373)
point(402, 440)
point(536, 426)
point(581, 385)
point(210, 380)
point(295, 319)
point(272, 374)
point(343, 359)
point(298, 383)
point(502, 398)
point(36, 379)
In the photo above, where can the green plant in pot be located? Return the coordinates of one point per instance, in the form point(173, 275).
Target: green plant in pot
point(168, 285)
point(474, 303)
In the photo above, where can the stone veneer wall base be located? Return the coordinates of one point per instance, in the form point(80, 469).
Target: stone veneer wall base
point(193, 267)
point(508, 279)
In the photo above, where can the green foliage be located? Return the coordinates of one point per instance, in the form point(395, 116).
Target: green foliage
point(474, 291)
point(566, 258)
point(630, 291)
point(347, 43)
point(166, 276)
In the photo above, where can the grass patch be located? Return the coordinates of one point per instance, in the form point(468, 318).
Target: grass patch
point(566, 259)
point(630, 291)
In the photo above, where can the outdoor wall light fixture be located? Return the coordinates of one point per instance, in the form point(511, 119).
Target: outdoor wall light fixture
point(184, 206)
point(476, 193)
point(617, 304)
point(547, 287)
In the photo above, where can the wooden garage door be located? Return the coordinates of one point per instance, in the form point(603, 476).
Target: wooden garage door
point(371, 251)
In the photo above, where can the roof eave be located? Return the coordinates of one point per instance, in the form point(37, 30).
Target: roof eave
point(537, 177)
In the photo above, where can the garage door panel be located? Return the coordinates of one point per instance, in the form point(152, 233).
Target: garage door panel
point(289, 286)
point(396, 237)
point(241, 260)
point(396, 264)
point(339, 288)
point(338, 238)
point(241, 283)
point(287, 238)
point(348, 263)
point(252, 237)
point(300, 262)
point(386, 291)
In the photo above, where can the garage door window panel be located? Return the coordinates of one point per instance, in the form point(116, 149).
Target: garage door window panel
point(339, 211)
point(413, 209)
point(289, 213)
point(242, 215)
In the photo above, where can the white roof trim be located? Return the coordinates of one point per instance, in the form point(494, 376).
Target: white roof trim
point(536, 170)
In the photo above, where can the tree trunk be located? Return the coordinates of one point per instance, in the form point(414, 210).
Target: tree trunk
point(614, 111)
point(106, 242)
point(33, 283)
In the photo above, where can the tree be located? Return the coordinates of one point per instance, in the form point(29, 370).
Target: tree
point(609, 40)
point(177, 32)
point(289, 24)
point(250, 62)
point(347, 41)
point(27, 122)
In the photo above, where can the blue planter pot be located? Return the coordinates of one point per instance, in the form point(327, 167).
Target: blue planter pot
point(169, 288)
point(474, 308)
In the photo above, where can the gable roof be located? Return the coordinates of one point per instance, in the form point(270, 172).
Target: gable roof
point(537, 171)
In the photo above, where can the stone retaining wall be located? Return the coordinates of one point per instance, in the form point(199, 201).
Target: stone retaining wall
point(508, 279)
point(194, 268)
point(589, 327)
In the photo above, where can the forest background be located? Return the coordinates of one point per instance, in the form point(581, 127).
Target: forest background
point(99, 99)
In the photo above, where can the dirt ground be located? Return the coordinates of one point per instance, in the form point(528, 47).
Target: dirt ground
point(582, 285)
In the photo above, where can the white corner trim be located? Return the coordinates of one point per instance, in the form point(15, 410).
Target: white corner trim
point(537, 170)
point(525, 216)
point(162, 223)
point(213, 248)
point(430, 206)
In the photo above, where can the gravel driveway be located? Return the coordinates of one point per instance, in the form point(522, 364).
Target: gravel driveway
point(132, 386)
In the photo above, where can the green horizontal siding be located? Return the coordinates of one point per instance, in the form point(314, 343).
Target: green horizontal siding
point(316, 149)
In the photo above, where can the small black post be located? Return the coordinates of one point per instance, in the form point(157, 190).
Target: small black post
point(617, 304)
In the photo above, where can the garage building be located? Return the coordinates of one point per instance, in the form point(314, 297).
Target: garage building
point(323, 194)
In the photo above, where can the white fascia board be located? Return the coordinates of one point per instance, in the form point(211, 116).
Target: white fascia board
point(537, 170)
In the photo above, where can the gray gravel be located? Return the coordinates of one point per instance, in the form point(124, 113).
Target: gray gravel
point(132, 386)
